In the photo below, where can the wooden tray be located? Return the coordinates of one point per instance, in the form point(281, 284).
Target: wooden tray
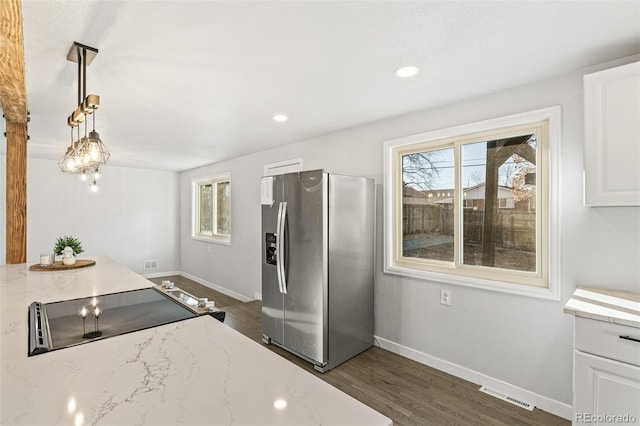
point(58, 266)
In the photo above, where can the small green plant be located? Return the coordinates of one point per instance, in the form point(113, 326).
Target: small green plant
point(68, 241)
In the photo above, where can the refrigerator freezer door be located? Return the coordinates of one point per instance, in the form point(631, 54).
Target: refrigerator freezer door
point(305, 268)
point(272, 298)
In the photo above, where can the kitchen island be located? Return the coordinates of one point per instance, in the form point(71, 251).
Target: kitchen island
point(196, 371)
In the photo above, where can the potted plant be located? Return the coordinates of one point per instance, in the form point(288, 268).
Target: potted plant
point(68, 241)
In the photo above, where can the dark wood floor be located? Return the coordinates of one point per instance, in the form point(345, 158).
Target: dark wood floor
point(406, 391)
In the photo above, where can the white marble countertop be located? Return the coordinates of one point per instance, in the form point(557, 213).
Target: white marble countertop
point(196, 371)
point(605, 305)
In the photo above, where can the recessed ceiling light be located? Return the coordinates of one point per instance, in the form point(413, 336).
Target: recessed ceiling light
point(407, 71)
point(280, 117)
point(280, 404)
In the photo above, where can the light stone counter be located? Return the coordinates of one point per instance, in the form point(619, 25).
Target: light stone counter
point(196, 371)
point(605, 305)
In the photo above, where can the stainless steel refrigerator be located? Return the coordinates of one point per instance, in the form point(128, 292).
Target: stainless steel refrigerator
point(317, 265)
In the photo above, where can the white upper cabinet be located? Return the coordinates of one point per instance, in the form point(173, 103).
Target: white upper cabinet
point(612, 137)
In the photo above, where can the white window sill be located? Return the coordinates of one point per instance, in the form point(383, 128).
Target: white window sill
point(214, 239)
point(549, 293)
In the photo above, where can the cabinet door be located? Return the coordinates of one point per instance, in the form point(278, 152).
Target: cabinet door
point(612, 137)
point(605, 392)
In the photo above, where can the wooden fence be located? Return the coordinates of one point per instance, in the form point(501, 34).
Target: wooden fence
point(513, 229)
point(426, 219)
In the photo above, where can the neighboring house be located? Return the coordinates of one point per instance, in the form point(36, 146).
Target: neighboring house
point(473, 197)
point(415, 197)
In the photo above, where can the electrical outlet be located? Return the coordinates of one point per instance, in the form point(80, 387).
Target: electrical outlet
point(445, 297)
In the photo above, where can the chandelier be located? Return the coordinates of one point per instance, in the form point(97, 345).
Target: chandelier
point(85, 155)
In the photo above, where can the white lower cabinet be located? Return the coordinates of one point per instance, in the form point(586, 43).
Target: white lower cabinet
point(606, 392)
point(606, 376)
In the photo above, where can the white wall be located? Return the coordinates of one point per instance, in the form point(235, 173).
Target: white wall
point(134, 216)
point(522, 341)
point(3, 210)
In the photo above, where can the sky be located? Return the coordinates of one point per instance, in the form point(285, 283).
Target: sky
point(473, 163)
point(474, 158)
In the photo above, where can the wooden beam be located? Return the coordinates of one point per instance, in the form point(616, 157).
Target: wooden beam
point(16, 243)
point(505, 148)
point(13, 99)
point(13, 93)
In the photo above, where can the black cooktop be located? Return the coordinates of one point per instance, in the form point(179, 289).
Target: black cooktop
point(68, 323)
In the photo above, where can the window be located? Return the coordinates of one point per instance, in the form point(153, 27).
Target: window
point(212, 209)
point(476, 205)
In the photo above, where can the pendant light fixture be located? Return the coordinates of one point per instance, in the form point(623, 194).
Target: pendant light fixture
point(68, 163)
point(86, 154)
point(93, 147)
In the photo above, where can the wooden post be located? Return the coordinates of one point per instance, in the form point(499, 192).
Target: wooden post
point(13, 99)
point(498, 151)
point(16, 243)
point(490, 206)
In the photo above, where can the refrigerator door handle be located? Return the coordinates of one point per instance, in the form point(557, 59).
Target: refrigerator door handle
point(280, 247)
point(282, 212)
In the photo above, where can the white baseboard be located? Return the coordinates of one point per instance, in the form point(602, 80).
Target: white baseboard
point(546, 404)
point(216, 287)
point(203, 282)
point(257, 296)
point(161, 274)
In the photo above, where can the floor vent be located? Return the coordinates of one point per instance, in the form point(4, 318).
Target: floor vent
point(507, 398)
point(150, 264)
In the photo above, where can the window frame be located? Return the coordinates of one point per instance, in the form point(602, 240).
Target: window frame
point(546, 286)
point(464, 204)
point(195, 208)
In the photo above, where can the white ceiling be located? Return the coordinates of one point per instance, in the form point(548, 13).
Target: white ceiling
point(184, 84)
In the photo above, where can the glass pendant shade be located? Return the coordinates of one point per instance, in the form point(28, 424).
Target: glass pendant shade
point(90, 152)
point(79, 155)
point(87, 153)
point(67, 163)
point(98, 152)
